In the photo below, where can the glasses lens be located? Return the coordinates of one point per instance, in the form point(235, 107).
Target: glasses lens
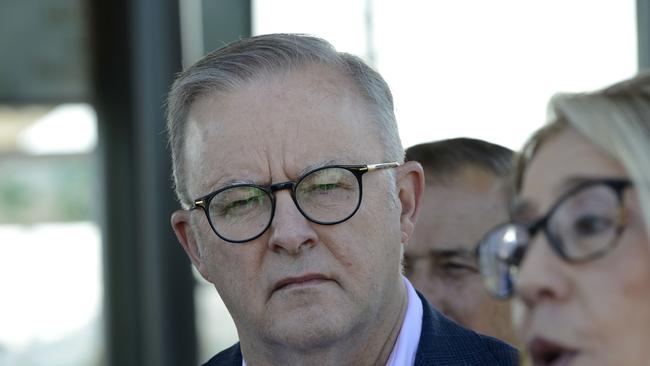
point(241, 213)
point(328, 195)
point(586, 224)
point(500, 252)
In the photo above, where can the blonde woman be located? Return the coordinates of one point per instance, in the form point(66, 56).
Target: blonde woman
point(576, 254)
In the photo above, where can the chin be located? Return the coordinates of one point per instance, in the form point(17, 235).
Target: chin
point(307, 330)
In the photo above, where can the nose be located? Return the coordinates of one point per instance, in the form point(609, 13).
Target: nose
point(290, 231)
point(542, 275)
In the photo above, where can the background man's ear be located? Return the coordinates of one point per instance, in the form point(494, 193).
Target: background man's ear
point(187, 237)
point(410, 185)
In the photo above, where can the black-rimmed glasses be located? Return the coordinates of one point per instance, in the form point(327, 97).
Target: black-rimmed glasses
point(583, 224)
point(327, 195)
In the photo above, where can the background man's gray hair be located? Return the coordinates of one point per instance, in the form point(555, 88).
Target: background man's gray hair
point(443, 159)
point(251, 58)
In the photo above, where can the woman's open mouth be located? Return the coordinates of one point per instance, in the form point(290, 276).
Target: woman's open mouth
point(548, 353)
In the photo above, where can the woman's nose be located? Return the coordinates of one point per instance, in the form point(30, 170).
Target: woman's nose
point(541, 275)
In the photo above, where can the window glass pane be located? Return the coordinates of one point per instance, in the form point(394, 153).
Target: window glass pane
point(50, 243)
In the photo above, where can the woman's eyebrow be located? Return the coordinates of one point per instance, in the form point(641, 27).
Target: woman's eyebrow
point(525, 208)
point(572, 182)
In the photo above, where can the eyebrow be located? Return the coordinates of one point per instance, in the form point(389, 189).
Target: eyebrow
point(571, 183)
point(444, 254)
point(230, 182)
point(523, 208)
point(219, 185)
point(315, 166)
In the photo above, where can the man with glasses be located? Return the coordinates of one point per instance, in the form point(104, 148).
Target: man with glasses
point(297, 205)
point(467, 193)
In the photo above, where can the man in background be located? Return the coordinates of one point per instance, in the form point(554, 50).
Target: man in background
point(466, 194)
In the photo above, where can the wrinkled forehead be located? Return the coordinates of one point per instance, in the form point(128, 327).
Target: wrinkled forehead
point(277, 125)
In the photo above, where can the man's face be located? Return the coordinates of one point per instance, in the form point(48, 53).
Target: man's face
point(344, 276)
point(439, 259)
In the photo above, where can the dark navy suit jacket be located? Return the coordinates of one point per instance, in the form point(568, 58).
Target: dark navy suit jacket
point(442, 343)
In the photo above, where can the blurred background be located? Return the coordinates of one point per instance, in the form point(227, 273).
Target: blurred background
point(90, 272)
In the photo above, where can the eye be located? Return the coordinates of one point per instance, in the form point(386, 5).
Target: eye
point(243, 204)
point(590, 225)
point(238, 202)
point(456, 269)
point(324, 187)
point(327, 181)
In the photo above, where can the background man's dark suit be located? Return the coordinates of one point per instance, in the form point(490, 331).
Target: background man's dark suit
point(442, 343)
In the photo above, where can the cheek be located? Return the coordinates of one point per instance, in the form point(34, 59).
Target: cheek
point(421, 276)
point(631, 272)
point(619, 296)
point(233, 266)
point(373, 233)
point(453, 293)
point(520, 318)
point(466, 295)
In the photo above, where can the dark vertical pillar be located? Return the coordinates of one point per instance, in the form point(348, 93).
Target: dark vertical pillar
point(149, 287)
point(167, 304)
point(112, 100)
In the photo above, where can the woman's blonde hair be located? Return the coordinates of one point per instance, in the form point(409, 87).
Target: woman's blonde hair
point(616, 119)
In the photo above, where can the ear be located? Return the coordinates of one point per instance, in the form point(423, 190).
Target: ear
point(187, 237)
point(410, 185)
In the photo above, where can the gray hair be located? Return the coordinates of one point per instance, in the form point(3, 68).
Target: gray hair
point(443, 159)
point(251, 58)
point(616, 119)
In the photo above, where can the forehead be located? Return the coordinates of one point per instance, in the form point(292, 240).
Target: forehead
point(562, 160)
point(456, 214)
point(273, 127)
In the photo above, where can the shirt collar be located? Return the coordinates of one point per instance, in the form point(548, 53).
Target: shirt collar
point(406, 346)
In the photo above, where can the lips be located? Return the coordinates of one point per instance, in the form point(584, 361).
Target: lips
point(307, 279)
point(548, 353)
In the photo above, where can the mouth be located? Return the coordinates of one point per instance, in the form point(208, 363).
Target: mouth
point(548, 353)
point(300, 281)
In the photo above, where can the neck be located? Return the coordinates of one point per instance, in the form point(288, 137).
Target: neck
point(366, 344)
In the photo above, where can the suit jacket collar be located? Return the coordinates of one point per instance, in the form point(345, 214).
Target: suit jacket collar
point(442, 343)
point(445, 343)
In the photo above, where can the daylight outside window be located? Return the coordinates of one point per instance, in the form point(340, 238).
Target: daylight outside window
point(50, 245)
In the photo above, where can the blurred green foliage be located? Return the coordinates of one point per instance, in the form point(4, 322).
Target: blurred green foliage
point(47, 189)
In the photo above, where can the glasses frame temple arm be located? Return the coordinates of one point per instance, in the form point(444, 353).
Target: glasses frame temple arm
point(373, 167)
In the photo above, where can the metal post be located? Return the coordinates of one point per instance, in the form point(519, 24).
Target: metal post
point(643, 31)
point(149, 286)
